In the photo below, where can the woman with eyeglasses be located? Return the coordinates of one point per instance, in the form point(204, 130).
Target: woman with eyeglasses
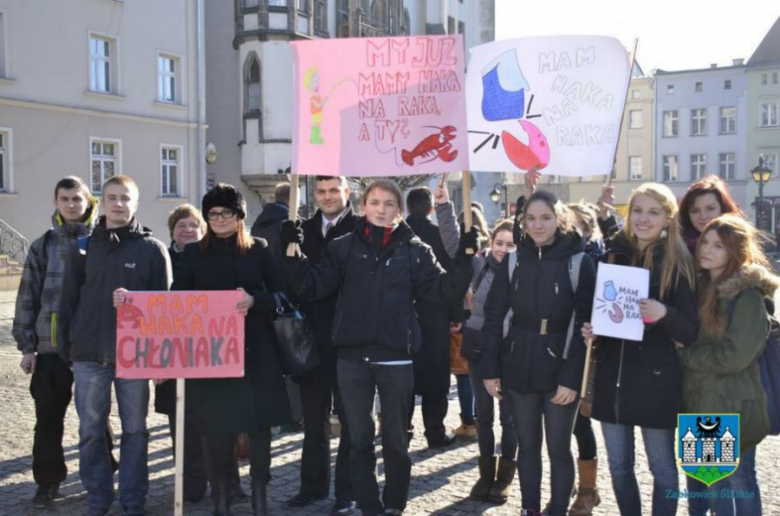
point(228, 258)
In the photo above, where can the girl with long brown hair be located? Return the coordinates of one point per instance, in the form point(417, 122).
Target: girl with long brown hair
point(706, 199)
point(721, 371)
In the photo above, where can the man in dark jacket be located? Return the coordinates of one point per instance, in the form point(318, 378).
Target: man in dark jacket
point(274, 213)
point(120, 254)
point(333, 219)
point(35, 320)
point(432, 363)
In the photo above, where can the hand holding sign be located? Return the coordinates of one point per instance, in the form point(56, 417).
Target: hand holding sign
point(246, 303)
point(616, 302)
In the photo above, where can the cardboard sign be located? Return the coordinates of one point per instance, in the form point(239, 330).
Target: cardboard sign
point(180, 335)
point(379, 106)
point(616, 301)
point(551, 103)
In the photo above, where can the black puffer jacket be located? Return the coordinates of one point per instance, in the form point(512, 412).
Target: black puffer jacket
point(528, 360)
point(267, 226)
point(640, 383)
point(375, 316)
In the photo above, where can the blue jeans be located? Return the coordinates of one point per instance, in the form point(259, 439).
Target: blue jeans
point(93, 404)
point(466, 399)
point(659, 447)
point(736, 494)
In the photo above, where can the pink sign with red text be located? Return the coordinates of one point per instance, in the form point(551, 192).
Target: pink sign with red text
point(183, 334)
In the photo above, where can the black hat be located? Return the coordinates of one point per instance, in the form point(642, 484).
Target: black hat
point(224, 196)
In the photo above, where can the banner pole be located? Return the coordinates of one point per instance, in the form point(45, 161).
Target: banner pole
point(588, 354)
point(466, 187)
point(294, 201)
point(623, 116)
point(179, 452)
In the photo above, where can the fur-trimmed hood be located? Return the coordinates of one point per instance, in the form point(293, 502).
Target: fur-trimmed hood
point(750, 276)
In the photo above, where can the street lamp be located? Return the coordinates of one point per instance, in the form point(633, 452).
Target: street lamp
point(761, 176)
point(495, 195)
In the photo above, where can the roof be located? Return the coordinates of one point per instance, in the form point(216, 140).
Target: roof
point(768, 51)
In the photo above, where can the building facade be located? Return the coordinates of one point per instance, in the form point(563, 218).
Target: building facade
point(111, 89)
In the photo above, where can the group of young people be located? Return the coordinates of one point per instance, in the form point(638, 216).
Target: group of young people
point(379, 298)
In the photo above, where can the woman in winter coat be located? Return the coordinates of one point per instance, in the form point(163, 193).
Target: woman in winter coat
point(639, 384)
point(378, 271)
point(538, 368)
point(705, 200)
point(227, 258)
point(495, 473)
point(720, 370)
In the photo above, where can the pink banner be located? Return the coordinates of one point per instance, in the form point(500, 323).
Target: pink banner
point(180, 335)
point(379, 106)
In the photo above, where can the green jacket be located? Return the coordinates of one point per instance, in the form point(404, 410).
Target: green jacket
point(721, 373)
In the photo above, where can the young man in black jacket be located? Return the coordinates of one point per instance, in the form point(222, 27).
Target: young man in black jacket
point(333, 219)
point(120, 254)
point(432, 363)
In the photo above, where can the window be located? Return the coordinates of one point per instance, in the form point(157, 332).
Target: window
point(275, 3)
point(553, 179)
point(669, 89)
point(167, 79)
point(169, 168)
point(635, 119)
point(321, 16)
point(635, 168)
point(698, 166)
point(699, 87)
point(774, 77)
point(670, 168)
point(104, 157)
point(5, 160)
point(102, 70)
point(728, 120)
point(302, 5)
point(635, 94)
point(764, 78)
point(3, 63)
point(671, 124)
point(727, 84)
point(252, 87)
point(727, 166)
point(698, 122)
point(250, 4)
point(769, 114)
point(770, 161)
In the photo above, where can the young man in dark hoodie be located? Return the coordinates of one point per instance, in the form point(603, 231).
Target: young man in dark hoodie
point(34, 327)
point(120, 254)
point(334, 218)
point(274, 213)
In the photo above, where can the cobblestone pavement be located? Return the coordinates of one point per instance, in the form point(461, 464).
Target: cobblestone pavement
point(440, 481)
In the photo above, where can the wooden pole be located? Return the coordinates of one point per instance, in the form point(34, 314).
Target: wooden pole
point(466, 187)
point(178, 508)
point(294, 195)
point(625, 100)
point(588, 354)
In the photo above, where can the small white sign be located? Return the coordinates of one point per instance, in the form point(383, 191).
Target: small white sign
point(616, 301)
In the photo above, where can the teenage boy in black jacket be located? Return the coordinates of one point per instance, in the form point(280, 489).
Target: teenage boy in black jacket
point(120, 254)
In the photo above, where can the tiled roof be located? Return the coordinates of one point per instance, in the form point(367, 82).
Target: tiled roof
point(768, 52)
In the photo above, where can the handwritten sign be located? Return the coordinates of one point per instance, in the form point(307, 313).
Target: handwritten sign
point(379, 106)
point(180, 335)
point(551, 103)
point(616, 301)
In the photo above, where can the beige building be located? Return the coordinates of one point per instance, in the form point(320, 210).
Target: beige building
point(96, 88)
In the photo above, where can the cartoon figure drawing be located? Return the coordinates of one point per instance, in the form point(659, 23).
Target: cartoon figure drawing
point(311, 81)
point(128, 313)
point(503, 98)
point(435, 146)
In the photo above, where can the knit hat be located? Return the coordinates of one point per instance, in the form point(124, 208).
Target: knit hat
point(224, 196)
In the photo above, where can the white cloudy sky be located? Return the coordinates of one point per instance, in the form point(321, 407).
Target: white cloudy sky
point(673, 34)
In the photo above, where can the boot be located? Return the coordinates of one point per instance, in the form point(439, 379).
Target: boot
point(220, 494)
point(487, 473)
point(587, 492)
point(499, 493)
point(260, 497)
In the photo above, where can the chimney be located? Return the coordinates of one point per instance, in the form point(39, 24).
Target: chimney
point(738, 62)
point(714, 65)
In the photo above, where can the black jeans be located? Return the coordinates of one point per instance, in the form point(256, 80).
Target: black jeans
point(529, 411)
point(51, 388)
point(358, 381)
point(485, 414)
point(219, 448)
point(586, 439)
point(318, 388)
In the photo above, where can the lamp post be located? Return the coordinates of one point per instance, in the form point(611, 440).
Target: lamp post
point(495, 196)
point(761, 175)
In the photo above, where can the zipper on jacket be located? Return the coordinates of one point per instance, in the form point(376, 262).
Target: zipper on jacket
point(540, 252)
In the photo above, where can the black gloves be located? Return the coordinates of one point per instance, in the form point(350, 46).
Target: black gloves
point(290, 233)
point(469, 243)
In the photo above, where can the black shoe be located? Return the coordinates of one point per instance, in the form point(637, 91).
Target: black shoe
point(45, 495)
point(302, 500)
point(343, 508)
point(442, 442)
point(392, 512)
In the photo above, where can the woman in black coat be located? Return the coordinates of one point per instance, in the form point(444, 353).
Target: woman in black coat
point(639, 384)
point(539, 366)
point(228, 259)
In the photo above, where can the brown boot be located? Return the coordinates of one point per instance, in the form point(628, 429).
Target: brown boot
point(487, 472)
point(587, 493)
point(499, 493)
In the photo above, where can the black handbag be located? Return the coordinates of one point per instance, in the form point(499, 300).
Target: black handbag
point(294, 337)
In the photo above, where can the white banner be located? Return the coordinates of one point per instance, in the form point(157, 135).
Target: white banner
point(616, 301)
